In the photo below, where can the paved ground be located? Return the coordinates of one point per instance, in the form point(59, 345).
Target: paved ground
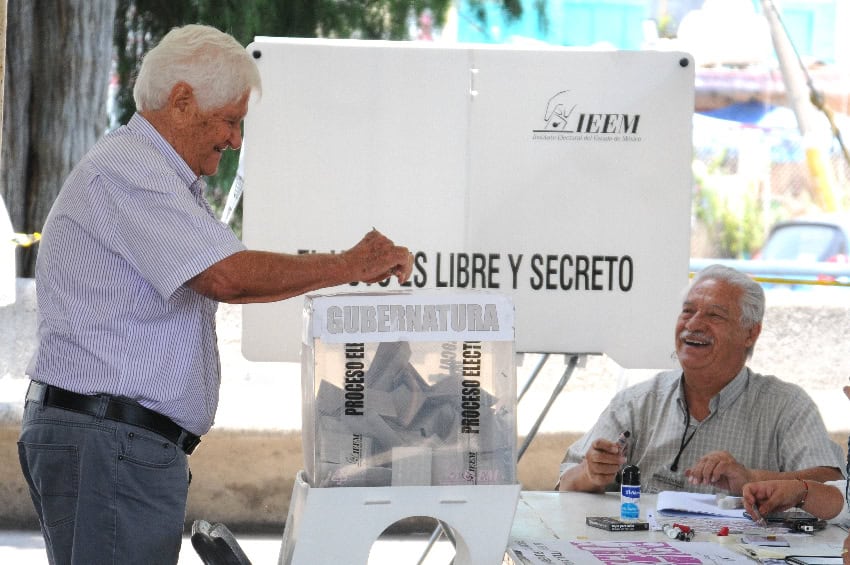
point(27, 548)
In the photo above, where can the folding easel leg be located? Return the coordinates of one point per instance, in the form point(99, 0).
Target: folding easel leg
point(568, 372)
point(533, 376)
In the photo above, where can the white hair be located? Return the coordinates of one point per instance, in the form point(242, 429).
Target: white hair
point(219, 70)
point(752, 295)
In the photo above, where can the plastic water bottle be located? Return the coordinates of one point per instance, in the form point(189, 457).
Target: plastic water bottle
point(630, 493)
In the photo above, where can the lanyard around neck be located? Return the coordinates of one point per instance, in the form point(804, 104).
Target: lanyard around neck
point(686, 439)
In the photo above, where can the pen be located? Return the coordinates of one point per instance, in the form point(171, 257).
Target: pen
point(756, 517)
point(623, 441)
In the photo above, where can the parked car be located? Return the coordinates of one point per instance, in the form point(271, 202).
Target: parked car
point(811, 239)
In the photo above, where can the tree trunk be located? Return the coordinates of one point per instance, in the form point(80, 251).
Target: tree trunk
point(58, 57)
point(2, 61)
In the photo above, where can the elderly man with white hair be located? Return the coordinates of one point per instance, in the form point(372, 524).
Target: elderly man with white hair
point(713, 425)
point(131, 268)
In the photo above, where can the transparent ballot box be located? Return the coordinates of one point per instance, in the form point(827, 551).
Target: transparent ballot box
point(409, 389)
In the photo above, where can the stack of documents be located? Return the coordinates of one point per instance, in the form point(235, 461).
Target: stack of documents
point(675, 503)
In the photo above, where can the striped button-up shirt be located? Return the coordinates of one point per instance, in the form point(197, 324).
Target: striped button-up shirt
point(128, 229)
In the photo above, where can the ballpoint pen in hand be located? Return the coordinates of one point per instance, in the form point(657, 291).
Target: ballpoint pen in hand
point(756, 517)
point(623, 442)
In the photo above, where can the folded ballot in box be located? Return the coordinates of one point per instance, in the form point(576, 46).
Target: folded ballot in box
point(409, 389)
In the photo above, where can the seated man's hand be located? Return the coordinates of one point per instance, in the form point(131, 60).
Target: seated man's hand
point(763, 497)
point(601, 463)
point(720, 470)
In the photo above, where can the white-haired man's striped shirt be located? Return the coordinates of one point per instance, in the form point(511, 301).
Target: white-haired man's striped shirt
point(128, 229)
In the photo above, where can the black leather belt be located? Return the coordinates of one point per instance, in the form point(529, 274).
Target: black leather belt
point(117, 409)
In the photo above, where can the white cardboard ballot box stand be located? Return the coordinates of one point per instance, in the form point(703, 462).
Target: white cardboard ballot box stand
point(329, 526)
point(409, 410)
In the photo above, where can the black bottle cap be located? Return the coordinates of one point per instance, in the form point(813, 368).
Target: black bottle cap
point(631, 475)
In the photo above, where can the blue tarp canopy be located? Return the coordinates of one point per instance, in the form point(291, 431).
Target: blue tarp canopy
point(753, 113)
point(722, 128)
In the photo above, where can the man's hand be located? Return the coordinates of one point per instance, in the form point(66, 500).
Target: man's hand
point(764, 497)
point(376, 258)
point(720, 470)
point(597, 470)
point(264, 276)
point(602, 461)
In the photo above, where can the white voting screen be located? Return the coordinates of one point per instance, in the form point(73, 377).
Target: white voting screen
point(557, 176)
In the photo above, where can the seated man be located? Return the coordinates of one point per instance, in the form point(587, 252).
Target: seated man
point(712, 425)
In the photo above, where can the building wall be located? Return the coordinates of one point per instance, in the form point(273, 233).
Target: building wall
point(816, 26)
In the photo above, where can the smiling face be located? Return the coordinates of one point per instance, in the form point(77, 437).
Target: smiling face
point(200, 136)
point(214, 131)
point(711, 341)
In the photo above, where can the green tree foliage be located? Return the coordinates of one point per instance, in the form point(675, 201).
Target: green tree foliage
point(139, 24)
point(731, 209)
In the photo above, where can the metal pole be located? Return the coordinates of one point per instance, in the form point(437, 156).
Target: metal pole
point(235, 193)
point(568, 372)
point(534, 373)
point(795, 77)
point(435, 535)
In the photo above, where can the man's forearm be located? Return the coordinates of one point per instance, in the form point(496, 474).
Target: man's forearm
point(576, 479)
point(820, 474)
point(260, 276)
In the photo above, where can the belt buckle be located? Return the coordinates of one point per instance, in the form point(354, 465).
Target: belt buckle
point(188, 442)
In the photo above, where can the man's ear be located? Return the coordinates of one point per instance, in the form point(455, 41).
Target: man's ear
point(753, 335)
point(181, 100)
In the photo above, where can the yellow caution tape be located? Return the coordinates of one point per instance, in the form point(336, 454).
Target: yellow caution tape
point(792, 281)
point(26, 239)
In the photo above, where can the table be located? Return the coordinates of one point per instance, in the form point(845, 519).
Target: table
point(561, 516)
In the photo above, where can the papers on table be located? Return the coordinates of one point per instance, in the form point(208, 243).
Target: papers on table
point(588, 552)
point(538, 552)
point(675, 503)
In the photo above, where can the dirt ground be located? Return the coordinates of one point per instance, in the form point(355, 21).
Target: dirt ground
point(245, 478)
